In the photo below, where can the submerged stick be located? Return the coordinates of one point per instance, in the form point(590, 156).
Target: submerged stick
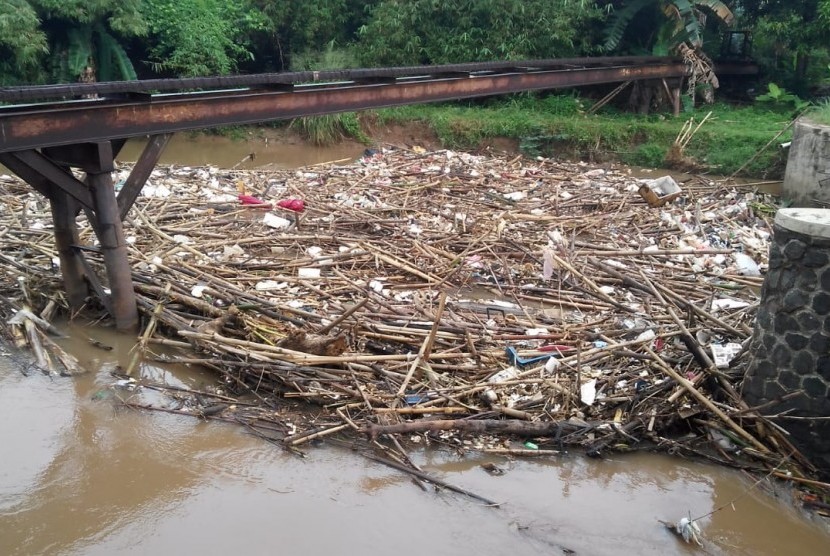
point(430, 479)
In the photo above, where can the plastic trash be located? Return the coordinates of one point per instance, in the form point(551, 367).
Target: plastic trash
point(277, 222)
point(646, 335)
point(489, 396)
point(588, 392)
point(660, 191)
point(514, 358)
point(551, 364)
point(689, 530)
point(515, 196)
point(724, 354)
point(414, 399)
point(747, 265)
point(250, 200)
point(504, 375)
point(234, 250)
point(728, 303)
point(266, 285)
point(296, 205)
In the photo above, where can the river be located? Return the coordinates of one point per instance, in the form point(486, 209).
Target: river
point(82, 475)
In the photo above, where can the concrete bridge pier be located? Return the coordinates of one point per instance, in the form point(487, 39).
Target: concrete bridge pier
point(791, 342)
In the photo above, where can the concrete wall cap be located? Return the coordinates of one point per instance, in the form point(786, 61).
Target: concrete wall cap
point(814, 222)
point(807, 122)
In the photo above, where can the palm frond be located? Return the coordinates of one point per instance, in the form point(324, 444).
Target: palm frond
point(720, 9)
point(619, 22)
point(78, 52)
point(113, 62)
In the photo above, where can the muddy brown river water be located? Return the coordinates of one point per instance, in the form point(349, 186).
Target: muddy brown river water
point(80, 475)
point(284, 152)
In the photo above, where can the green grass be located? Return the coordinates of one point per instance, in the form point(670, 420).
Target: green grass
point(330, 128)
point(821, 113)
point(557, 126)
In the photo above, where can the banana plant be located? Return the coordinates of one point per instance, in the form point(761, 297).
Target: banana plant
point(92, 47)
point(685, 19)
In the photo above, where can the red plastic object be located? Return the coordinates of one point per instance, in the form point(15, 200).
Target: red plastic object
point(249, 200)
point(297, 205)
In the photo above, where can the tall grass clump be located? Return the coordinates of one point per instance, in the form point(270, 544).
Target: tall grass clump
point(821, 113)
point(329, 128)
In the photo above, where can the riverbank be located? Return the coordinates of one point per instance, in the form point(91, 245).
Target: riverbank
point(726, 139)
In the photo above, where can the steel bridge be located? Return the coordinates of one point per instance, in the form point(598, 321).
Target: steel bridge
point(47, 131)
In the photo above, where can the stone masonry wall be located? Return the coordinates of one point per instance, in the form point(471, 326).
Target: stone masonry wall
point(791, 344)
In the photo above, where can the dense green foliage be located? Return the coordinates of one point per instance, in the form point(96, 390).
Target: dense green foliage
point(59, 40)
point(200, 37)
point(56, 40)
point(791, 39)
point(22, 43)
point(407, 32)
point(821, 113)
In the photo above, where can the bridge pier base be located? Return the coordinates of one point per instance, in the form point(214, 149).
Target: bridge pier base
point(48, 172)
point(64, 210)
point(114, 248)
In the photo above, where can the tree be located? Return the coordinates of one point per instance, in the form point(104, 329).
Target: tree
point(669, 27)
point(63, 40)
point(22, 43)
point(789, 37)
point(402, 32)
point(304, 32)
point(200, 37)
point(85, 37)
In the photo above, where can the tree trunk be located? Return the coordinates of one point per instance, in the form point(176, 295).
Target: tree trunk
point(802, 62)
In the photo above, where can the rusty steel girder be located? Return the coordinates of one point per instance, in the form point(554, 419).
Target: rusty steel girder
point(37, 126)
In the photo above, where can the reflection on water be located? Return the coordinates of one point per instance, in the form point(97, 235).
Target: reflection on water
point(81, 475)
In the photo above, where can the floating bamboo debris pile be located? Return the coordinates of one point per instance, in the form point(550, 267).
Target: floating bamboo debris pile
point(445, 297)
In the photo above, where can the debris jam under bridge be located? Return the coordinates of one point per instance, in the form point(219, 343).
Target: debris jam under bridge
point(44, 136)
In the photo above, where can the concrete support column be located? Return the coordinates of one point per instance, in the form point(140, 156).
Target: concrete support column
point(791, 342)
